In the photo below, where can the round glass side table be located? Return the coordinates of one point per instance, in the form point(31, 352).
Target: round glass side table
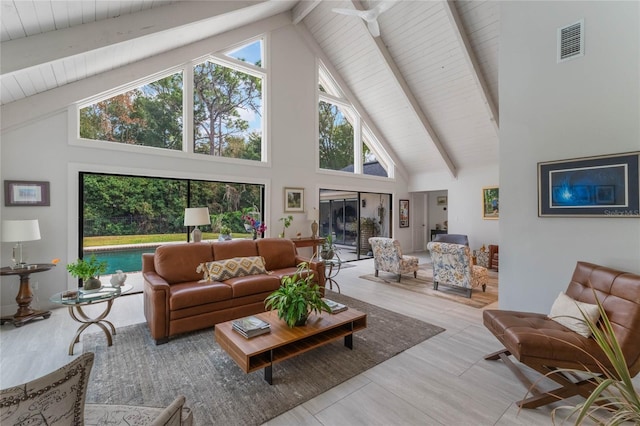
point(74, 303)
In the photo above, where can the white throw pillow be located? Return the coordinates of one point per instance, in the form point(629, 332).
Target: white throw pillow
point(567, 312)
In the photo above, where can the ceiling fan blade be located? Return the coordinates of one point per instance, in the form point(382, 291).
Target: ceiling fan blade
point(374, 28)
point(352, 12)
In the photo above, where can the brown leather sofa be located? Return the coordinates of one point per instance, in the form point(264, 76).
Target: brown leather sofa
point(177, 299)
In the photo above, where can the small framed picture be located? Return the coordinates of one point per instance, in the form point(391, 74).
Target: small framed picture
point(491, 202)
point(294, 199)
point(26, 193)
point(404, 213)
point(442, 200)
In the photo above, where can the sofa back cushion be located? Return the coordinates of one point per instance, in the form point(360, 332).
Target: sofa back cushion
point(278, 253)
point(177, 263)
point(234, 248)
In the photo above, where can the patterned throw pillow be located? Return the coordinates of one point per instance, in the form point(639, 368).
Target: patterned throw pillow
point(221, 270)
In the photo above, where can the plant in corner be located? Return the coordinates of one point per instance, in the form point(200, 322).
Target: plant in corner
point(286, 222)
point(297, 297)
point(88, 271)
point(614, 401)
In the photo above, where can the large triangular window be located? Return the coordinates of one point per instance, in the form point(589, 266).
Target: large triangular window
point(345, 142)
point(227, 118)
point(149, 115)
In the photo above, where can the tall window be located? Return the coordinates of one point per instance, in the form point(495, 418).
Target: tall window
point(336, 137)
point(227, 115)
point(346, 143)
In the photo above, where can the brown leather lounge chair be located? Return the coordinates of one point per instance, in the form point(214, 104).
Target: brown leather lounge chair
point(547, 346)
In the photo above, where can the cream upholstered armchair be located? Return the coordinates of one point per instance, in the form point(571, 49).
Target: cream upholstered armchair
point(58, 399)
point(452, 266)
point(387, 256)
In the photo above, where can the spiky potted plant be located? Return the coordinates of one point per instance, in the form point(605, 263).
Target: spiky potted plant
point(615, 400)
point(297, 297)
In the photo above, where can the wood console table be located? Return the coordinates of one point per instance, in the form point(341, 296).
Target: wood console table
point(25, 313)
point(309, 242)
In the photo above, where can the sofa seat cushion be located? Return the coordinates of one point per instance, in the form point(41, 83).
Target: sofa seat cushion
point(221, 270)
point(535, 337)
point(189, 294)
point(252, 284)
point(177, 263)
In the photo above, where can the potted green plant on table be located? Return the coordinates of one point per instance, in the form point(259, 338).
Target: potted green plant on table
point(225, 233)
point(328, 249)
point(88, 271)
point(297, 297)
point(615, 400)
point(286, 222)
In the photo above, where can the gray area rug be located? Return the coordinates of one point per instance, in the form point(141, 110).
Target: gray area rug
point(135, 371)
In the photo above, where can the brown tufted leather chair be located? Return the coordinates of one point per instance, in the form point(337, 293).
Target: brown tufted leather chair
point(546, 346)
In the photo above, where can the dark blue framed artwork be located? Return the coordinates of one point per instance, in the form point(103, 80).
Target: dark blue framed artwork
point(603, 186)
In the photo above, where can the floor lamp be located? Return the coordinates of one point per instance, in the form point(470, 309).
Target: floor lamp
point(194, 217)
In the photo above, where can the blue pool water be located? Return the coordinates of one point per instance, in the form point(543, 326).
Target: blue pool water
point(128, 260)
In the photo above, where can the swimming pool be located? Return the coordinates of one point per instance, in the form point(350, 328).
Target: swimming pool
point(126, 260)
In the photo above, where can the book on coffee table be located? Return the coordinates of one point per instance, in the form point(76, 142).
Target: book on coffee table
point(251, 326)
point(335, 306)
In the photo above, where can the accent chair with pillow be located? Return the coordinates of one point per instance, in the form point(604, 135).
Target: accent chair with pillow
point(58, 399)
point(561, 340)
point(452, 266)
point(387, 256)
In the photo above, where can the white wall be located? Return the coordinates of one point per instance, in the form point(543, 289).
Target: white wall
point(548, 111)
point(45, 149)
point(464, 202)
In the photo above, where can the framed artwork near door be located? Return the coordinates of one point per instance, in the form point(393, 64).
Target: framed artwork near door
point(491, 202)
point(404, 213)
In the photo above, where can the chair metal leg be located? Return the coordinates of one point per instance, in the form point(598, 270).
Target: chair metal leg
point(376, 273)
point(399, 276)
point(484, 287)
point(415, 274)
point(435, 285)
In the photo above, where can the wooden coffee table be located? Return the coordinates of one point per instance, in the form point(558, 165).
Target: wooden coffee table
point(283, 342)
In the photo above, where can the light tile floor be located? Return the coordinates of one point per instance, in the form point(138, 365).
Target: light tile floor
point(442, 381)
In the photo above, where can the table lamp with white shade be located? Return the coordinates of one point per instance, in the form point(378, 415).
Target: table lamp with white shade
point(195, 216)
point(313, 216)
point(19, 231)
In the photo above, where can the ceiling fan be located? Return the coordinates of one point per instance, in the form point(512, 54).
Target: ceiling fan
point(370, 16)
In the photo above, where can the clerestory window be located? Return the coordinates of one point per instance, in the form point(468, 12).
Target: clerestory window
point(345, 142)
point(227, 117)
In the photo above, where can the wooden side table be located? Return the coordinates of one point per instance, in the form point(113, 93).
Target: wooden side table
point(25, 313)
point(309, 242)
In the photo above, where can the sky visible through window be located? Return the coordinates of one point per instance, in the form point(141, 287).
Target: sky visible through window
point(251, 53)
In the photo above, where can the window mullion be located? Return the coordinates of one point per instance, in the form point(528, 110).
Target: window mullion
point(187, 107)
point(357, 146)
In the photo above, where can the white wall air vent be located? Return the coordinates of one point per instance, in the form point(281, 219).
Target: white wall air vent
point(571, 41)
